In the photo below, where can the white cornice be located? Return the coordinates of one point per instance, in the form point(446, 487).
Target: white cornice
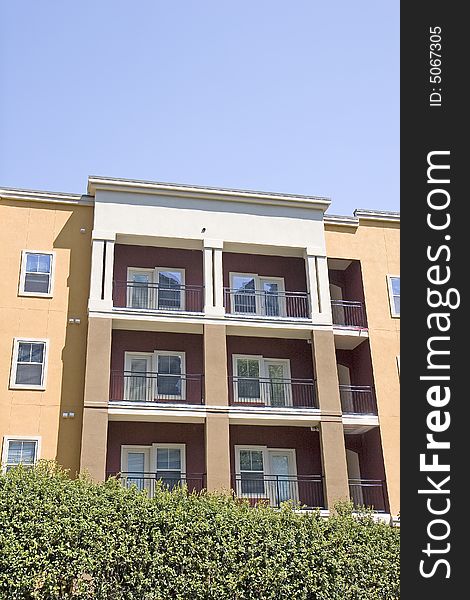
point(361, 214)
point(38, 196)
point(208, 193)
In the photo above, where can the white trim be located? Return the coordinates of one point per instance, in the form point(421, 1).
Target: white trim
point(130, 289)
point(14, 364)
point(150, 387)
point(21, 290)
point(391, 296)
point(153, 456)
point(126, 448)
point(24, 438)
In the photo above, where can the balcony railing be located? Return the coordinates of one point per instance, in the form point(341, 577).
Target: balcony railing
point(195, 482)
point(358, 399)
point(293, 305)
point(130, 386)
point(273, 393)
point(369, 493)
point(305, 490)
point(157, 297)
point(349, 314)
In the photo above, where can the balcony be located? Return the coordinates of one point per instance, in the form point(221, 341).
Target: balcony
point(195, 482)
point(306, 490)
point(273, 393)
point(349, 314)
point(127, 386)
point(358, 400)
point(271, 304)
point(369, 493)
point(159, 298)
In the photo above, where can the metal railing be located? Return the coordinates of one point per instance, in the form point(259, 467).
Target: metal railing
point(304, 490)
point(294, 305)
point(130, 386)
point(349, 314)
point(369, 493)
point(152, 296)
point(358, 399)
point(273, 393)
point(195, 482)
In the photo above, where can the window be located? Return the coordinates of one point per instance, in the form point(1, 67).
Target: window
point(394, 294)
point(155, 289)
point(143, 465)
point(28, 366)
point(262, 380)
point(170, 370)
point(254, 295)
point(19, 451)
point(252, 472)
point(138, 379)
point(36, 273)
point(169, 462)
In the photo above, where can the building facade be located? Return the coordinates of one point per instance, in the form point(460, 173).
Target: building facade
point(227, 339)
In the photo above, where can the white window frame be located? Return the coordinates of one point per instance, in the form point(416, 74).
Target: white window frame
point(154, 290)
point(128, 356)
point(266, 450)
point(180, 447)
point(148, 484)
point(22, 438)
point(14, 364)
point(258, 292)
point(159, 270)
point(150, 291)
point(391, 296)
point(21, 290)
point(263, 375)
point(182, 355)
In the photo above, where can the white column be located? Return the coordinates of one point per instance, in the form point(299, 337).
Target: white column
point(102, 266)
point(324, 288)
point(213, 278)
point(108, 274)
point(312, 287)
point(96, 278)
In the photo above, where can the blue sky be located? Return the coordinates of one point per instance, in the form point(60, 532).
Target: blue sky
point(299, 97)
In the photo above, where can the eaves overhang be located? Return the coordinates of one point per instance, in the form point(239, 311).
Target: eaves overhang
point(112, 184)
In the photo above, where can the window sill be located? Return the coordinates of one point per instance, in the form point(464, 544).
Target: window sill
point(34, 295)
point(19, 386)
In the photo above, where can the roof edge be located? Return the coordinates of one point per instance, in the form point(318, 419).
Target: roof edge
point(43, 196)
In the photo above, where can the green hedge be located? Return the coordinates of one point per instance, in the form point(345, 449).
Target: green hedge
point(64, 538)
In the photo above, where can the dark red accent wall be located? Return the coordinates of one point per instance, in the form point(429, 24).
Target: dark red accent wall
point(148, 341)
point(350, 280)
point(359, 362)
point(305, 442)
point(149, 257)
point(291, 268)
point(299, 352)
point(369, 447)
point(145, 434)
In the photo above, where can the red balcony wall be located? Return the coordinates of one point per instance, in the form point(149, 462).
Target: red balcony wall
point(299, 352)
point(149, 257)
point(359, 363)
point(349, 280)
point(148, 341)
point(305, 442)
point(146, 434)
point(369, 447)
point(292, 269)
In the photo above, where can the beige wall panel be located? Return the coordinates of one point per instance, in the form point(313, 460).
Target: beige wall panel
point(217, 452)
point(334, 462)
point(98, 362)
point(326, 373)
point(215, 365)
point(94, 442)
point(49, 227)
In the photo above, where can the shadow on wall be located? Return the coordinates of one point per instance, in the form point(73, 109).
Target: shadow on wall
point(74, 350)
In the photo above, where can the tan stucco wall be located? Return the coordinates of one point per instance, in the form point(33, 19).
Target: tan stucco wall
point(377, 245)
point(215, 366)
point(46, 226)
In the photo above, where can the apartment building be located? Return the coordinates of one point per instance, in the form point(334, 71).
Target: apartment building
point(235, 340)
